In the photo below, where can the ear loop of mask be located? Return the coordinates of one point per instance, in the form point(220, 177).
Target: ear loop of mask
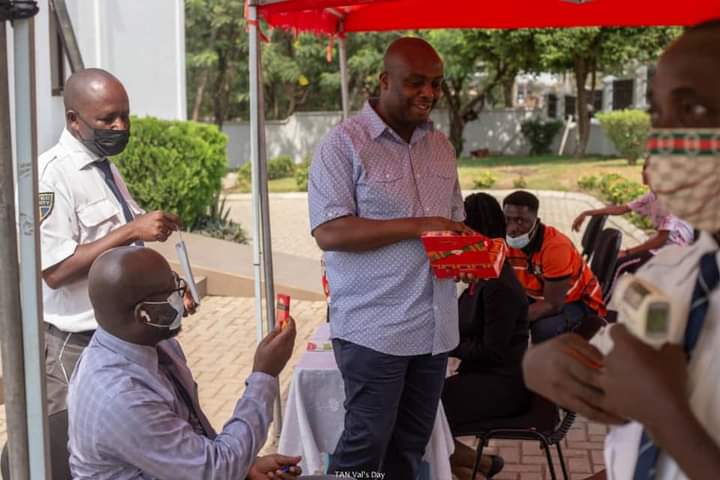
point(142, 313)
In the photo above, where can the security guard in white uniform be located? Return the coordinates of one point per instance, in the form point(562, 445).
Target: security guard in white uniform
point(85, 209)
point(670, 392)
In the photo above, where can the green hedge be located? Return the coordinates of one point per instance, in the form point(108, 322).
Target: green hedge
point(540, 134)
point(627, 130)
point(618, 190)
point(175, 166)
point(281, 166)
point(302, 172)
point(485, 180)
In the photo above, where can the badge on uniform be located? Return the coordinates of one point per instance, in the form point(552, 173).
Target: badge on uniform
point(46, 201)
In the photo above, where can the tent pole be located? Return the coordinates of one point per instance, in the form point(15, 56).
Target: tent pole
point(261, 201)
point(255, 92)
point(30, 292)
point(344, 76)
point(10, 316)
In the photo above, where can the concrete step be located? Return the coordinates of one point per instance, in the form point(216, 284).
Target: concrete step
point(228, 268)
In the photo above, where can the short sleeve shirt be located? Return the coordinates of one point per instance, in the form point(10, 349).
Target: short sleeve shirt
point(387, 299)
point(679, 231)
point(556, 260)
point(76, 207)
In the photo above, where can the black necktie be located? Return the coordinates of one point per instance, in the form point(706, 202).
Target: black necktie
point(104, 166)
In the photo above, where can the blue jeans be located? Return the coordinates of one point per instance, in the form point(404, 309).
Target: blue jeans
point(390, 407)
point(567, 320)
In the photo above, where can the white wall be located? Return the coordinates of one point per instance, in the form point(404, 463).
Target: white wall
point(496, 130)
point(142, 42)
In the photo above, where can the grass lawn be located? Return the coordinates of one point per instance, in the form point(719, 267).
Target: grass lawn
point(543, 172)
point(550, 172)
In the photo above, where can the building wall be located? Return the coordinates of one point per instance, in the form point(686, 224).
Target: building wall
point(141, 42)
point(496, 130)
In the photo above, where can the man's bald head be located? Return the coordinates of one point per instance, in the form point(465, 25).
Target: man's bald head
point(95, 99)
point(89, 86)
point(410, 84)
point(408, 50)
point(684, 88)
point(121, 278)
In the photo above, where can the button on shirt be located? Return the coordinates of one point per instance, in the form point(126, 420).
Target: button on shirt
point(387, 299)
point(127, 419)
point(82, 209)
point(674, 270)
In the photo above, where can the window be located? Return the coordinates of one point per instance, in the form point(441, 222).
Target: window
point(552, 105)
point(57, 58)
point(623, 94)
point(570, 106)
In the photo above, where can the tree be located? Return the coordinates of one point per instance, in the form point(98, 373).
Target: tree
point(587, 51)
point(476, 62)
point(217, 52)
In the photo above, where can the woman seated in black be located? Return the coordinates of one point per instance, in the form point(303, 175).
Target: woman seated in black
point(493, 339)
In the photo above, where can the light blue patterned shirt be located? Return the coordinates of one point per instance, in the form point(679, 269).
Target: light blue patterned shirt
point(387, 299)
point(127, 419)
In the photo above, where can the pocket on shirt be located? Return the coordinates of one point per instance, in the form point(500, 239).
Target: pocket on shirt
point(441, 179)
point(96, 213)
point(386, 195)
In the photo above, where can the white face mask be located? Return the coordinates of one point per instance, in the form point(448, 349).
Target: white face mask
point(171, 318)
point(521, 241)
point(684, 173)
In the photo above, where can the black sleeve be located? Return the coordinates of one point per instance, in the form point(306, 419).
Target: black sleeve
point(500, 309)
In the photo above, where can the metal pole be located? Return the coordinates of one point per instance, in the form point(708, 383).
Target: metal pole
point(10, 315)
point(255, 147)
point(30, 293)
point(344, 77)
point(69, 41)
point(260, 189)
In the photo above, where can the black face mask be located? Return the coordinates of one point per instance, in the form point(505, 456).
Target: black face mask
point(106, 142)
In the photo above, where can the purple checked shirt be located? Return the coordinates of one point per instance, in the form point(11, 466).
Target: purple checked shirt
point(387, 299)
point(127, 419)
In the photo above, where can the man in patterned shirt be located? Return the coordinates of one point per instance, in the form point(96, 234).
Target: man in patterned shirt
point(377, 182)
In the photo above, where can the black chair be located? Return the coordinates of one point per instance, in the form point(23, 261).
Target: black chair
point(541, 422)
point(605, 257)
point(59, 456)
point(591, 235)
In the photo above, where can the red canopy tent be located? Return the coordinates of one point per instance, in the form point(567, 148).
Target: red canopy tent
point(333, 16)
point(336, 17)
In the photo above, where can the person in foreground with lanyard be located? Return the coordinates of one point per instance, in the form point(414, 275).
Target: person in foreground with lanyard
point(133, 406)
point(85, 210)
point(669, 391)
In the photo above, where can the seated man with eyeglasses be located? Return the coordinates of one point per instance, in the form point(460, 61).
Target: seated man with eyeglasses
point(133, 407)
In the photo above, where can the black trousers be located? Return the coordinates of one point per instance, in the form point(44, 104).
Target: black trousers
point(390, 404)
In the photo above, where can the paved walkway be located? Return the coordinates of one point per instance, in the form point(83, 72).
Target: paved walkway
point(219, 340)
point(290, 226)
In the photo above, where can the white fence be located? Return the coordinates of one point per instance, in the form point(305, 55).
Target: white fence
point(496, 130)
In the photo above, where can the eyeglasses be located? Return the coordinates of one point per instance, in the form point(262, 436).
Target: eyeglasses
point(181, 285)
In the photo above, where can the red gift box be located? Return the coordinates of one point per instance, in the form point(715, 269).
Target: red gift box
point(452, 254)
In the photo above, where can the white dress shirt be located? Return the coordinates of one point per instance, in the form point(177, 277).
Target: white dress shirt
point(78, 208)
point(674, 270)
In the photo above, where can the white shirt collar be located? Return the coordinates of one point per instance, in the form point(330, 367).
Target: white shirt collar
point(81, 155)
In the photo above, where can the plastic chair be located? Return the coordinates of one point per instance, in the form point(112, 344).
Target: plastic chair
point(604, 258)
point(59, 456)
point(541, 422)
point(591, 235)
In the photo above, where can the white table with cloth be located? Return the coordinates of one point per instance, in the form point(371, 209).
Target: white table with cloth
point(314, 416)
